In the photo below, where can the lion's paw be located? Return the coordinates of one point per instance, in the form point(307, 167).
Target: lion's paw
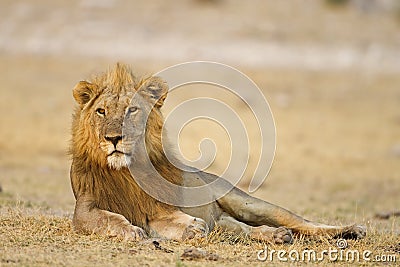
point(136, 234)
point(282, 235)
point(354, 232)
point(197, 229)
point(128, 233)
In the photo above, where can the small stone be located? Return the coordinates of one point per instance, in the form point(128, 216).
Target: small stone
point(386, 215)
point(197, 254)
point(133, 251)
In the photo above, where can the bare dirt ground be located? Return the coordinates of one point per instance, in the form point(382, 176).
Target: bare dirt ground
point(330, 74)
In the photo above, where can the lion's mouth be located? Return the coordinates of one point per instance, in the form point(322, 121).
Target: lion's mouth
point(117, 152)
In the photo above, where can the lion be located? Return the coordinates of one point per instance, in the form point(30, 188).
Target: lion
point(107, 127)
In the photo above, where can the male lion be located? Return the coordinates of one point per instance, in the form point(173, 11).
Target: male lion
point(110, 202)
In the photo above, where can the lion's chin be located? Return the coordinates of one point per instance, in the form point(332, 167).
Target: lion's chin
point(118, 161)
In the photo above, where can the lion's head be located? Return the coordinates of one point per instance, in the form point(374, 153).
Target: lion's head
point(115, 112)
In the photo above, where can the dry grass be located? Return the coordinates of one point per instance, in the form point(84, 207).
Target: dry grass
point(32, 238)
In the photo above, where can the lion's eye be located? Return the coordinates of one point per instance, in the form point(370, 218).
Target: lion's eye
point(133, 109)
point(101, 111)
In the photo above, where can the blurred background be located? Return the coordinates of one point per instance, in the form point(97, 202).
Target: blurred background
point(330, 70)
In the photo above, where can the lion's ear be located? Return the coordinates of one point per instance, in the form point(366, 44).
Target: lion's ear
point(154, 90)
point(83, 92)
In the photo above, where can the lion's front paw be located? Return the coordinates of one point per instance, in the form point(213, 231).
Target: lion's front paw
point(135, 234)
point(354, 232)
point(128, 233)
point(197, 229)
point(282, 235)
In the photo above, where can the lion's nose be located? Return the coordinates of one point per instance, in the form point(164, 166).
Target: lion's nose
point(113, 139)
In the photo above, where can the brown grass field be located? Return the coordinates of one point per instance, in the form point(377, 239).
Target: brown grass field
point(337, 159)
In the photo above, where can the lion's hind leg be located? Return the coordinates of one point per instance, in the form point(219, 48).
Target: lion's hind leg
point(257, 212)
point(274, 235)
